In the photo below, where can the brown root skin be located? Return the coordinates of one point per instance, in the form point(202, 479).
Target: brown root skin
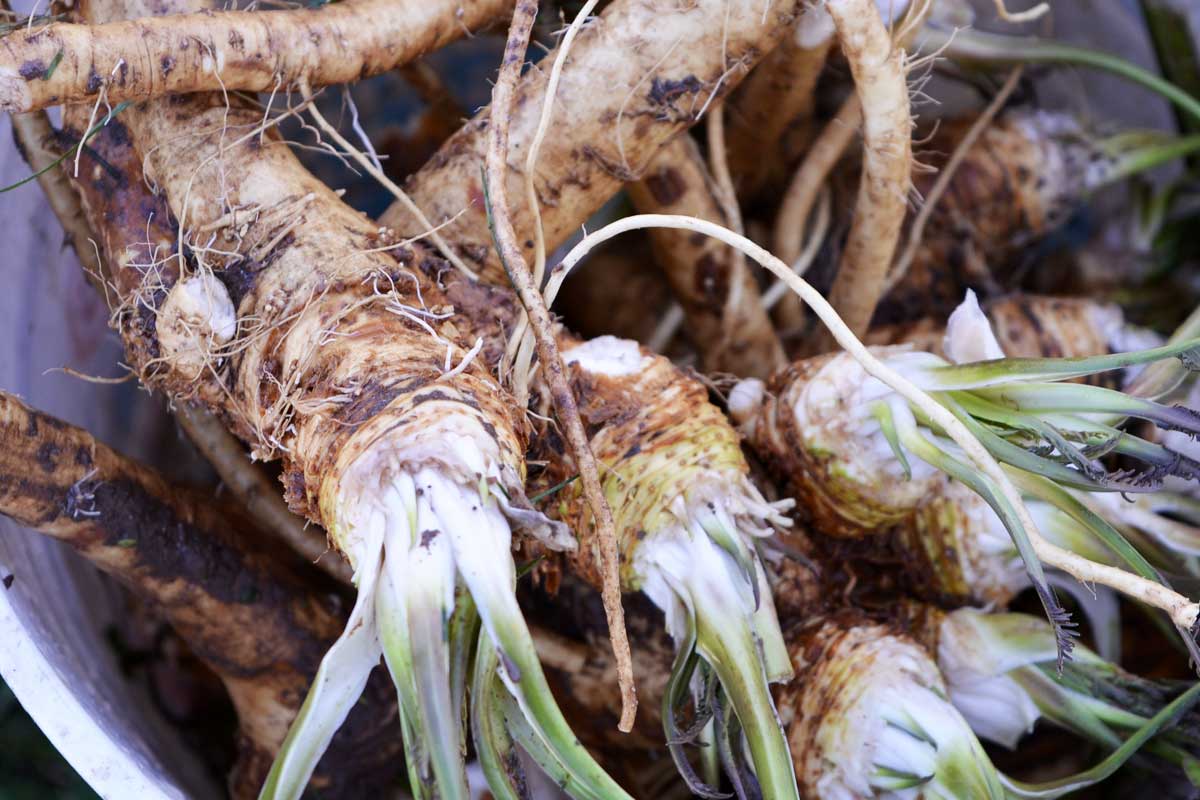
point(1009, 191)
point(39, 144)
point(712, 282)
point(775, 103)
point(116, 199)
point(134, 233)
point(637, 76)
point(260, 619)
point(255, 51)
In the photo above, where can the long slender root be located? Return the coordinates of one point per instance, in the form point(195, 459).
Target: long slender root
point(551, 360)
point(255, 617)
point(256, 492)
point(255, 51)
point(791, 221)
point(877, 64)
point(801, 195)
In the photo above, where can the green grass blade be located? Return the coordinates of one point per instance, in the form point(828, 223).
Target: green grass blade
point(534, 745)
point(1081, 399)
point(1058, 788)
point(674, 698)
point(416, 645)
point(494, 746)
point(729, 648)
point(972, 45)
point(1002, 371)
point(1014, 455)
point(927, 451)
point(484, 558)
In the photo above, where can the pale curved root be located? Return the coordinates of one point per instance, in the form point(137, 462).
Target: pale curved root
point(254, 51)
point(791, 220)
point(877, 64)
point(826, 151)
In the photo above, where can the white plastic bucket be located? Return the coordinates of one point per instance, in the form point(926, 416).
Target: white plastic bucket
point(52, 617)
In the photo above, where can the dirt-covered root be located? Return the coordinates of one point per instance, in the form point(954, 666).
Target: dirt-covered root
point(135, 236)
point(117, 255)
point(657, 457)
point(256, 51)
point(776, 103)
point(40, 145)
point(713, 283)
point(259, 619)
point(636, 76)
point(335, 335)
point(1019, 181)
point(877, 64)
